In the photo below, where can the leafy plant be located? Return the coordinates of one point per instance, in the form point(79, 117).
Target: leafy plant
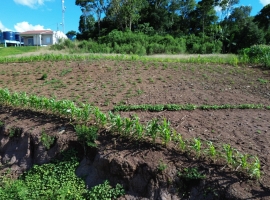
point(165, 131)
point(263, 81)
point(211, 150)
point(65, 71)
point(105, 191)
point(87, 135)
point(161, 166)
point(197, 147)
point(152, 129)
point(229, 154)
point(191, 173)
point(255, 168)
point(47, 140)
point(44, 76)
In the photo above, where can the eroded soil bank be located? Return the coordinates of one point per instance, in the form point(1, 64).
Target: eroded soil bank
point(146, 171)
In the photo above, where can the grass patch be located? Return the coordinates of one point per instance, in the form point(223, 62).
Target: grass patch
point(9, 51)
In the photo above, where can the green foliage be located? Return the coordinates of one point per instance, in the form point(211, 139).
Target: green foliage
point(56, 180)
point(161, 166)
point(257, 54)
point(176, 107)
point(15, 132)
point(47, 140)
point(50, 181)
point(65, 72)
point(44, 76)
point(263, 81)
point(87, 135)
point(202, 45)
point(229, 154)
point(105, 191)
point(126, 127)
point(197, 146)
point(191, 173)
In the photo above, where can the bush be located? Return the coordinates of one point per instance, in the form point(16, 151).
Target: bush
point(257, 54)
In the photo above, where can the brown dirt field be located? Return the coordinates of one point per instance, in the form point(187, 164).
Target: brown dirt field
point(106, 83)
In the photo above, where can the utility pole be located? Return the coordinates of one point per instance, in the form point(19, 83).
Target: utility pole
point(63, 15)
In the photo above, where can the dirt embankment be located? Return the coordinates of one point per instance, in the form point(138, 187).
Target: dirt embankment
point(146, 171)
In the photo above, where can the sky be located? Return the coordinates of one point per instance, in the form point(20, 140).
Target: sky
point(24, 15)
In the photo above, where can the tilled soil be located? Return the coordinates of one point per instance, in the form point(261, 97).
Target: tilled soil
point(106, 83)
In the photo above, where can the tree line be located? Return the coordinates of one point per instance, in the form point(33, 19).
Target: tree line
point(231, 29)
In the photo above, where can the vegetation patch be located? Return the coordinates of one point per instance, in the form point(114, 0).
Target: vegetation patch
point(55, 180)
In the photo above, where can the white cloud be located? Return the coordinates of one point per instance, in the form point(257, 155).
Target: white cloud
point(264, 2)
point(3, 28)
point(31, 3)
point(25, 26)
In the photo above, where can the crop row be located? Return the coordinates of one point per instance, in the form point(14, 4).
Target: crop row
point(233, 60)
point(176, 107)
point(154, 130)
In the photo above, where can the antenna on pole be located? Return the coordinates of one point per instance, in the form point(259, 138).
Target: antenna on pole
point(63, 15)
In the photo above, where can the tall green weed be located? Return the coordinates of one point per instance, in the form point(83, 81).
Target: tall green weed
point(257, 54)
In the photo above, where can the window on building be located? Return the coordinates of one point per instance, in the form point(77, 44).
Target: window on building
point(48, 40)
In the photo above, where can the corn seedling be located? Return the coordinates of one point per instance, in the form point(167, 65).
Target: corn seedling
point(128, 127)
point(211, 151)
point(243, 160)
point(101, 118)
point(229, 154)
point(197, 147)
point(254, 170)
point(181, 143)
point(165, 131)
point(152, 129)
point(138, 129)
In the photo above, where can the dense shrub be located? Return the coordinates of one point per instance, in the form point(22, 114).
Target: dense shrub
point(129, 42)
point(257, 54)
point(202, 44)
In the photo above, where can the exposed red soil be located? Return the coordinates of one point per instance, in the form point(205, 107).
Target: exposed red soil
point(107, 83)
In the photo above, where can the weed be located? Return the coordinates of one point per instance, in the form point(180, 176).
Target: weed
point(105, 191)
point(86, 135)
point(47, 140)
point(191, 173)
point(262, 81)
point(161, 166)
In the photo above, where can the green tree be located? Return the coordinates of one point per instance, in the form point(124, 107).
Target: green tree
point(234, 24)
point(94, 7)
point(157, 14)
point(250, 35)
point(203, 16)
point(86, 26)
point(73, 33)
point(125, 12)
point(180, 11)
point(263, 18)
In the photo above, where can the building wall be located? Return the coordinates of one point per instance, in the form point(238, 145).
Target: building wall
point(38, 40)
point(46, 40)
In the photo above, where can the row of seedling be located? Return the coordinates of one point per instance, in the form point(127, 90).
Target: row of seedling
point(71, 57)
point(155, 130)
point(176, 107)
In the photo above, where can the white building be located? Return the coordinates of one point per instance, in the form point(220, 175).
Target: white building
point(41, 37)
